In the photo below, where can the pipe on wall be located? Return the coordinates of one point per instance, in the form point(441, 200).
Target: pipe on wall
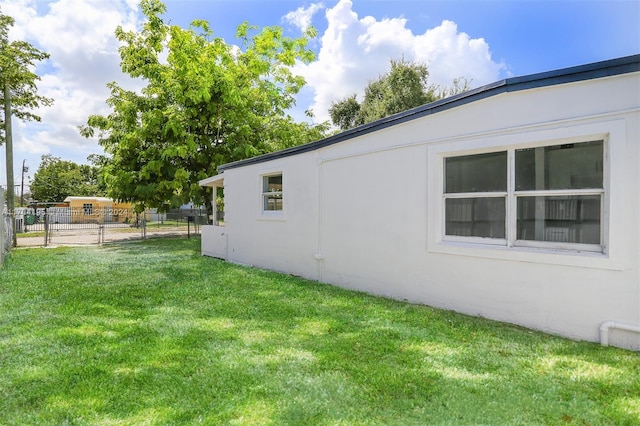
point(606, 326)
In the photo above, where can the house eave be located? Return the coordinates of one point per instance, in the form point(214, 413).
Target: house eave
point(89, 198)
point(213, 181)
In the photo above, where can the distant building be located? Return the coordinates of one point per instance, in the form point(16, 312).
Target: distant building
point(99, 210)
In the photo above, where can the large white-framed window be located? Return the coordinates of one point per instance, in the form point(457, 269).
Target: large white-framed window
point(546, 196)
point(272, 193)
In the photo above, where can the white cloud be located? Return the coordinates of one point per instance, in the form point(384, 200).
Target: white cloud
point(79, 36)
point(450, 54)
point(302, 17)
point(357, 50)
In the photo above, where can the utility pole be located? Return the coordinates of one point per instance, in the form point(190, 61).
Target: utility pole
point(24, 170)
point(11, 202)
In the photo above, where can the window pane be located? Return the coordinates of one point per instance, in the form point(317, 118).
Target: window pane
point(476, 173)
point(475, 217)
point(272, 201)
point(272, 183)
point(570, 219)
point(569, 166)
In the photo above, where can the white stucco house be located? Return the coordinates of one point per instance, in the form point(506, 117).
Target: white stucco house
point(517, 201)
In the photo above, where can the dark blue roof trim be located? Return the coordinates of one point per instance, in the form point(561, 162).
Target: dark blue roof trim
point(625, 65)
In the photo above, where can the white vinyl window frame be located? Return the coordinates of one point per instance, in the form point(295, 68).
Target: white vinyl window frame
point(470, 206)
point(272, 197)
point(610, 253)
point(511, 213)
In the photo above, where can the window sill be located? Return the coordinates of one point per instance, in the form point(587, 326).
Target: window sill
point(272, 216)
point(549, 256)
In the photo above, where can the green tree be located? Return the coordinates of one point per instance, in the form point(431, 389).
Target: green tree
point(207, 104)
point(344, 114)
point(404, 87)
point(18, 93)
point(56, 179)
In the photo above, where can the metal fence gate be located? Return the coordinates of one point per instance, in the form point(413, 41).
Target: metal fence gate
point(43, 225)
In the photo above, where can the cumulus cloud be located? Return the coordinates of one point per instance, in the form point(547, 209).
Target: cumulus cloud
point(302, 17)
point(355, 50)
point(79, 37)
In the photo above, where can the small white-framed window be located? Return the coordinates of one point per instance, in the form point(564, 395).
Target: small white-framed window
point(548, 196)
point(272, 200)
point(87, 209)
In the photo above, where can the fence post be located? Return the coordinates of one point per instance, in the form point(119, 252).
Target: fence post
point(46, 227)
point(143, 226)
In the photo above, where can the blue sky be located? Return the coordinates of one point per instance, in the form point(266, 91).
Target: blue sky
point(483, 41)
point(529, 36)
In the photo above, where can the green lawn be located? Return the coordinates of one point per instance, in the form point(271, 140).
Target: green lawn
point(152, 333)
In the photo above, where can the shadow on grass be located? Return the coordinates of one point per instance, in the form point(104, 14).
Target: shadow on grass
point(154, 333)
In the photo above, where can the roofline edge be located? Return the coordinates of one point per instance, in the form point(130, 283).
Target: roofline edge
point(590, 71)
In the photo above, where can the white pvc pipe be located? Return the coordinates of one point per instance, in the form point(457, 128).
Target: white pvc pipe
point(606, 326)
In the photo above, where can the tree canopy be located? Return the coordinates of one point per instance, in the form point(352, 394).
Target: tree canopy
point(56, 179)
point(404, 87)
point(206, 104)
point(17, 64)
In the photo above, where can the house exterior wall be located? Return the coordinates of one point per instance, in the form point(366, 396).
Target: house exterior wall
point(367, 214)
point(78, 215)
point(122, 212)
point(103, 210)
point(290, 238)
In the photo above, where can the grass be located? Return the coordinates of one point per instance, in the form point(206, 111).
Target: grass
point(152, 333)
point(171, 224)
point(30, 234)
point(150, 229)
